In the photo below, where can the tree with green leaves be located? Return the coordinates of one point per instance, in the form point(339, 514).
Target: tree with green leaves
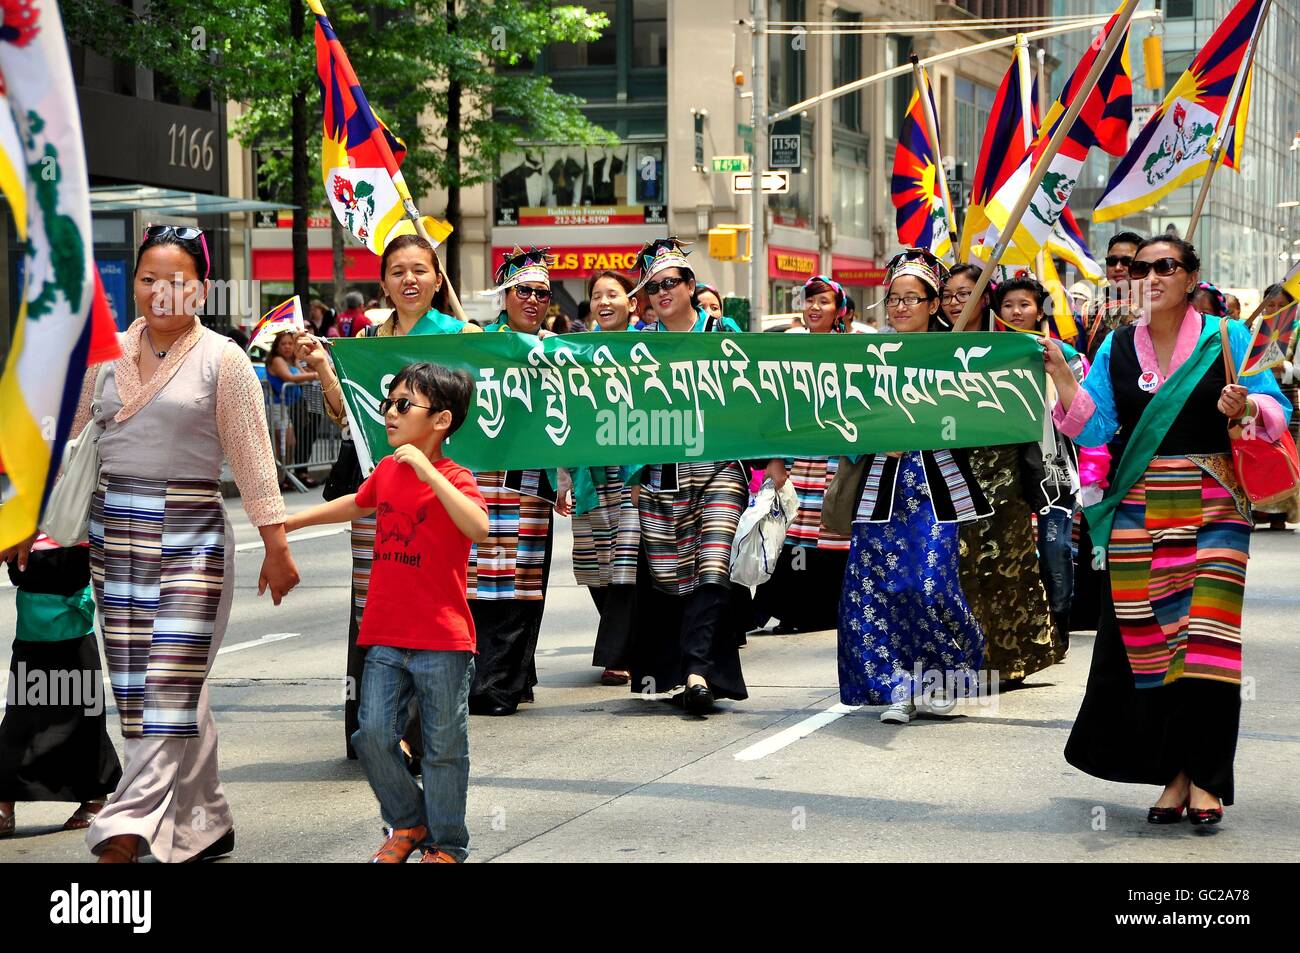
point(449, 77)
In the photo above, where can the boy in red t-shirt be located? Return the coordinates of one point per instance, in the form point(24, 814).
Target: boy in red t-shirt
point(417, 622)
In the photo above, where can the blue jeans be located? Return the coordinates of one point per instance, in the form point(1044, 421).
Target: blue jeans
point(1056, 558)
point(440, 683)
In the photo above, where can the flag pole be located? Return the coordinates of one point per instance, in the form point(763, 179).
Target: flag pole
point(1063, 128)
point(1227, 121)
point(414, 215)
point(932, 130)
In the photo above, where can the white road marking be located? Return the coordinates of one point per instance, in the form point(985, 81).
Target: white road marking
point(296, 537)
point(792, 734)
point(264, 640)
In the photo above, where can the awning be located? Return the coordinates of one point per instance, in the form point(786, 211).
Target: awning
point(147, 198)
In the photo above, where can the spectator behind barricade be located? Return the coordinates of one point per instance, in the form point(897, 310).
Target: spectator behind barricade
point(323, 317)
point(282, 368)
point(353, 320)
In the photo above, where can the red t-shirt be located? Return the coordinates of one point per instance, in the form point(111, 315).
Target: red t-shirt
point(417, 581)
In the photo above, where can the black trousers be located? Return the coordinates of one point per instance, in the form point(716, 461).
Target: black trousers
point(617, 608)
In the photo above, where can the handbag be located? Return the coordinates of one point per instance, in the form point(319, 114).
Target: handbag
point(760, 534)
point(66, 519)
point(1269, 473)
point(841, 500)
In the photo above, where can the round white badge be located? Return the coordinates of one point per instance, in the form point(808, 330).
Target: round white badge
point(1148, 381)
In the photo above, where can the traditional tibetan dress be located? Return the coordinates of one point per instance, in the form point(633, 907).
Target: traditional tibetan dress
point(1164, 689)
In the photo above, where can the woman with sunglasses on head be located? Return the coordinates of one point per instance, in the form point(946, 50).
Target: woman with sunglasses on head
point(606, 530)
point(179, 399)
point(684, 648)
point(509, 571)
point(805, 585)
point(1163, 700)
point(902, 607)
point(415, 286)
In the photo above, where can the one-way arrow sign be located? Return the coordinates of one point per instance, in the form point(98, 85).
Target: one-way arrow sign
point(774, 182)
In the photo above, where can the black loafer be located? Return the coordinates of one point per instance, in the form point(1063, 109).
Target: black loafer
point(698, 700)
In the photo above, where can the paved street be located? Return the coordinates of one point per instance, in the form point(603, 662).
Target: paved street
point(593, 773)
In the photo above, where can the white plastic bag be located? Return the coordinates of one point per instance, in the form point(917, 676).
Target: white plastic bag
point(761, 533)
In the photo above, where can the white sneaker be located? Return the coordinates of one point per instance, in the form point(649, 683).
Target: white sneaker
point(899, 713)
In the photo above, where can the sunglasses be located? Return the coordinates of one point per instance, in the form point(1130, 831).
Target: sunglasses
point(1118, 261)
point(1164, 267)
point(186, 233)
point(668, 284)
point(402, 404)
point(523, 293)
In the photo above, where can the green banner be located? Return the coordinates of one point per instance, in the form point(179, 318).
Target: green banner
point(611, 399)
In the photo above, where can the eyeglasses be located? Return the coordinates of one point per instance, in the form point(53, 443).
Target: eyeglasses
point(402, 404)
point(523, 293)
point(1118, 261)
point(959, 297)
point(894, 301)
point(1164, 267)
point(668, 284)
point(186, 233)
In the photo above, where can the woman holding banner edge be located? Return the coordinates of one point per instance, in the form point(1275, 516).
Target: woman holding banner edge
point(1163, 700)
point(413, 281)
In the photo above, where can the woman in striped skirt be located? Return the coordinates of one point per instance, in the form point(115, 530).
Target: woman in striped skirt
point(683, 648)
point(903, 616)
point(606, 530)
point(1163, 701)
point(162, 550)
point(413, 281)
point(805, 586)
point(509, 570)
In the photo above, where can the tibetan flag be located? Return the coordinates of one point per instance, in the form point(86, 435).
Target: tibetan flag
point(1291, 283)
point(64, 323)
point(359, 156)
point(1006, 143)
point(1270, 341)
point(285, 316)
point(1067, 241)
point(1174, 146)
point(924, 219)
point(1102, 123)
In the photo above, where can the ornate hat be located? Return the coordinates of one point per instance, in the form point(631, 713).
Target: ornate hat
point(657, 255)
point(921, 264)
point(520, 266)
point(841, 298)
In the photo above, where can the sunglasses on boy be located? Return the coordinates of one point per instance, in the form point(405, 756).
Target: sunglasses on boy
point(1119, 261)
point(523, 293)
point(186, 233)
point(402, 404)
point(668, 284)
point(1164, 267)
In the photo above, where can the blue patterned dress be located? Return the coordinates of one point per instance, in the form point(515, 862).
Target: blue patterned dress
point(901, 608)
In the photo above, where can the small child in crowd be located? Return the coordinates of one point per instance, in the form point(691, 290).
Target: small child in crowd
point(417, 622)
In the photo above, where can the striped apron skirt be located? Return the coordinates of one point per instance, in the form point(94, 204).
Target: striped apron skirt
point(506, 586)
point(607, 537)
point(162, 565)
point(688, 532)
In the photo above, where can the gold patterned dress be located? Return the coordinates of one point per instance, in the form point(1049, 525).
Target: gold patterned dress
point(1000, 573)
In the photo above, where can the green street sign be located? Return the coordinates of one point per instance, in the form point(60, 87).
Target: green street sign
point(731, 163)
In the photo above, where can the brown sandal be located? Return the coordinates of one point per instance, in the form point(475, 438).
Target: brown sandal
point(401, 843)
point(85, 815)
point(120, 849)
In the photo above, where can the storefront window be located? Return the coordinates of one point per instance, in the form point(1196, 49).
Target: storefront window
point(582, 185)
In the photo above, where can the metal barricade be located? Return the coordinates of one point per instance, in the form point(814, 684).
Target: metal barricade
point(302, 435)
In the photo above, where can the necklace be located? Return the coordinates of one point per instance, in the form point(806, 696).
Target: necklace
point(156, 353)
